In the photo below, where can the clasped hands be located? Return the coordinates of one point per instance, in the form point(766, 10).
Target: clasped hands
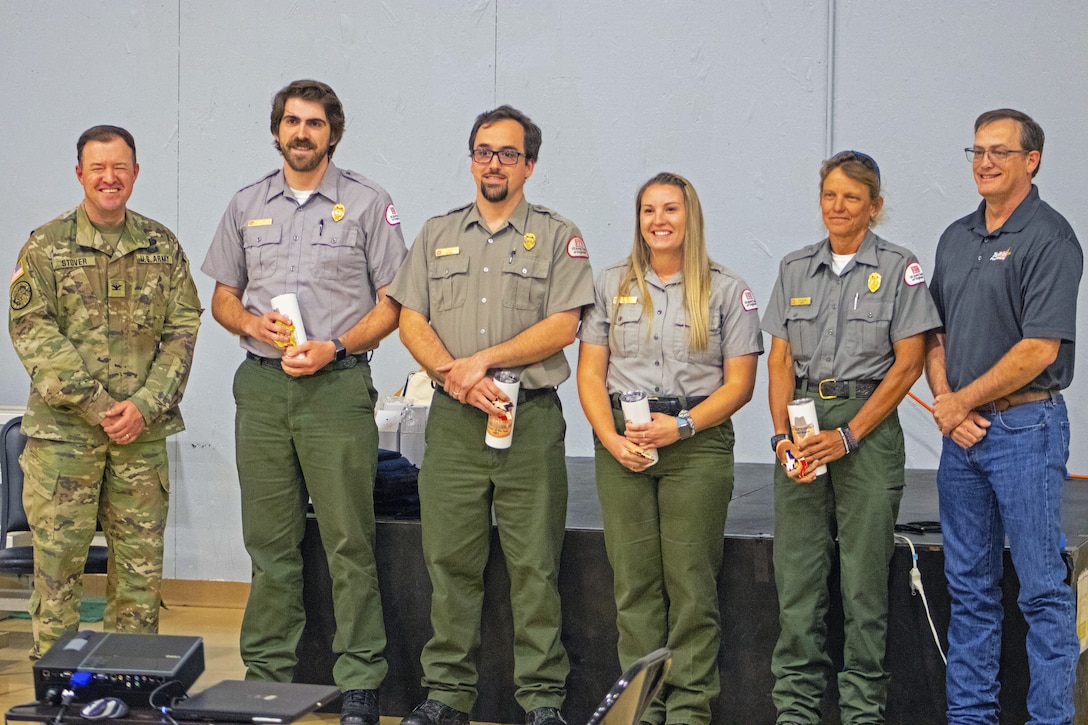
point(964, 426)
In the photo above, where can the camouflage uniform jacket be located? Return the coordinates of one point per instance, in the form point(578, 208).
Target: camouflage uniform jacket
point(94, 327)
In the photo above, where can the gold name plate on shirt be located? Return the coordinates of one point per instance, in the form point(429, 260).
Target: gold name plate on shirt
point(624, 300)
point(258, 222)
point(447, 251)
point(800, 301)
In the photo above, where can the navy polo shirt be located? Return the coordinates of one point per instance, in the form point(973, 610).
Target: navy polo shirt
point(994, 289)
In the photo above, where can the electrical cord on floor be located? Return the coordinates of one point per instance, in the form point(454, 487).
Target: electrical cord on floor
point(916, 588)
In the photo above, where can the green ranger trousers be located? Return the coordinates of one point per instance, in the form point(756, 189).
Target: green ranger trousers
point(462, 480)
point(664, 530)
point(66, 488)
point(855, 503)
point(297, 438)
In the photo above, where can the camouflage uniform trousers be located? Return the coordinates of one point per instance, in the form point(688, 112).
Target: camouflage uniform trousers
point(66, 487)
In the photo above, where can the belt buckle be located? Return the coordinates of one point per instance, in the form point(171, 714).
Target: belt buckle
point(820, 389)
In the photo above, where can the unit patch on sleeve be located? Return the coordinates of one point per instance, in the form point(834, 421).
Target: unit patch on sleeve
point(576, 248)
point(391, 216)
point(748, 301)
point(20, 294)
point(913, 274)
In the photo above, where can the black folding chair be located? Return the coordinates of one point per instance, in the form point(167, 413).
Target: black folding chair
point(16, 552)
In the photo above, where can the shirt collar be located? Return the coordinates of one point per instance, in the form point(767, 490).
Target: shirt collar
point(327, 188)
point(517, 220)
point(655, 280)
point(87, 235)
point(866, 254)
point(1016, 222)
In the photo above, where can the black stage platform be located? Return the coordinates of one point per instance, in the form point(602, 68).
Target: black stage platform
point(748, 604)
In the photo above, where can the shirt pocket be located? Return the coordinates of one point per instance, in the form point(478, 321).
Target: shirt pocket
point(339, 253)
point(627, 332)
point(711, 355)
point(79, 309)
point(803, 331)
point(525, 284)
point(449, 282)
point(148, 305)
point(262, 247)
point(868, 328)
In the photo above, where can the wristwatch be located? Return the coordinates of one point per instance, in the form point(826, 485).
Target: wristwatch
point(341, 351)
point(685, 425)
point(778, 438)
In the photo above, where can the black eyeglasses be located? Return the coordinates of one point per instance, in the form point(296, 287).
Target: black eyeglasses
point(507, 157)
point(999, 156)
point(864, 159)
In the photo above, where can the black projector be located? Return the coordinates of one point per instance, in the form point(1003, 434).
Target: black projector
point(108, 664)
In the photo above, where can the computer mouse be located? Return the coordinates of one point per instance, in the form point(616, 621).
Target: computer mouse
point(106, 708)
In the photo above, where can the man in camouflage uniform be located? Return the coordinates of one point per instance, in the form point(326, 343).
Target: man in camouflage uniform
point(104, 316)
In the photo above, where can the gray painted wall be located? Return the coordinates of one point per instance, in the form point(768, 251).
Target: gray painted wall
point(743, 97)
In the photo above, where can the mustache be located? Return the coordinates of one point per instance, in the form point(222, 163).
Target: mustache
point(301, 144)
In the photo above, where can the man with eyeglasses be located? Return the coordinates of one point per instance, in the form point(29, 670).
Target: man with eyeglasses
point(304, 427)
point(498, 284)
point(1005, 285)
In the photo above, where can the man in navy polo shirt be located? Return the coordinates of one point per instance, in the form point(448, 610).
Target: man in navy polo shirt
point(1005, 283)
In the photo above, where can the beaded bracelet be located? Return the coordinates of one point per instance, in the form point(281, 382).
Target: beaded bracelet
point(849, 442)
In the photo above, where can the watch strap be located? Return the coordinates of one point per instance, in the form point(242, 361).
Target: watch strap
point(685, 424)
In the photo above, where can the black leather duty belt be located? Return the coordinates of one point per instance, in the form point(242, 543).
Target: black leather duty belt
point(274, 362)
point(667, 405)
point(830, 388)
point(524, 396)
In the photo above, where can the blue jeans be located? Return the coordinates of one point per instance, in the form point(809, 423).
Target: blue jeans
point(1010, 483)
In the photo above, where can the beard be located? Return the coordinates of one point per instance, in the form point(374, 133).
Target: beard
point(495, 192)
point(304, 164)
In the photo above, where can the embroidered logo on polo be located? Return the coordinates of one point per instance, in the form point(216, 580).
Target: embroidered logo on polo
point(1001, 256)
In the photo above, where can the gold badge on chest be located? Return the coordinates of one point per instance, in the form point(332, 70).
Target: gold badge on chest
point(529, 241)
point(338, 212)
point(874, 281)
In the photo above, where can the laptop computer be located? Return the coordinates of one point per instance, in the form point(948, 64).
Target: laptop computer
point(254, 701)
point(634, 691)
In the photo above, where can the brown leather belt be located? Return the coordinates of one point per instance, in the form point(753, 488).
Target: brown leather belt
point(1011, 401)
